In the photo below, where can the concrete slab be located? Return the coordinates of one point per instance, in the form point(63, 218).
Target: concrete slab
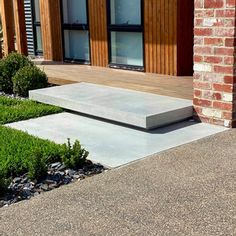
point(130, 107)
point(114, 145)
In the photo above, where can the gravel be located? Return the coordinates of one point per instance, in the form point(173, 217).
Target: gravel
point(23, 188)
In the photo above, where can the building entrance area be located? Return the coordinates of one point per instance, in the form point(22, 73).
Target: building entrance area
point(153, 36)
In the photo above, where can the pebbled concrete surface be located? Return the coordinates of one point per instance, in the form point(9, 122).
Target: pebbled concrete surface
point(188, 190)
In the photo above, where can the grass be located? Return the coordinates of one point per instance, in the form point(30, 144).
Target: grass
point(12, 110)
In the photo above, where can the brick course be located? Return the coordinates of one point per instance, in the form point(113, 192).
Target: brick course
point(214, 61)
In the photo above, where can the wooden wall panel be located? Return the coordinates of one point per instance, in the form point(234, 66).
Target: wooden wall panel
point(50, 16)
point(98, 33)
point(160, 18)
point(168, 27)
point(7, 16)
point(20, 27)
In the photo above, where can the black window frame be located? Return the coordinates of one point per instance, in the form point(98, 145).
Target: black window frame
point(78, 27)
point(35, 25)
point(125, 28)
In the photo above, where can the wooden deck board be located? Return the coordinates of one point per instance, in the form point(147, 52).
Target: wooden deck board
point(180, 87)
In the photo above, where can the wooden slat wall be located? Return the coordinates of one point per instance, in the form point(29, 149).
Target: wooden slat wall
point(168, 36)
point(6, 8)
point(98, 32)
point(20, 27)
point(160, 18)
point(50, 16)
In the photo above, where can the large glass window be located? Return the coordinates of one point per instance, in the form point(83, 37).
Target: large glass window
point(126, 48)
point(125, 12)
point(76, 30)
point(76, 44)
point(37, 28)
point(125, 25)
point(75, 11)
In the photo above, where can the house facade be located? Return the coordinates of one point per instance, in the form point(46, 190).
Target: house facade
point(171, 37)
point(135, 35)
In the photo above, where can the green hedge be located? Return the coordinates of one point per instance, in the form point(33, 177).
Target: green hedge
point(22, 153)
point(17, 151)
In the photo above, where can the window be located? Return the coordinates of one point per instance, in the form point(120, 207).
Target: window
point(76, 30)
point(37, 28)
point(125, 26)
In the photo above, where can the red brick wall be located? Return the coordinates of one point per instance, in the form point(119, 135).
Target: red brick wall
point(214, 61)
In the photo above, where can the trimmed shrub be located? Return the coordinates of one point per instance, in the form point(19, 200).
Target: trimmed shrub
point(38, 166)
point(74, 156)
point(9, 66)
point(29, 78)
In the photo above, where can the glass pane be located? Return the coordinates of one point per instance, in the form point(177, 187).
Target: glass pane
point(76, 44)
point(125, 12)
point(75, 11)
point(39, 39)
point(127, 48)
point(36, 11)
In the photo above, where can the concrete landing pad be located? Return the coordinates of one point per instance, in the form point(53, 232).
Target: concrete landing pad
point(114, 145)
point(130, 107)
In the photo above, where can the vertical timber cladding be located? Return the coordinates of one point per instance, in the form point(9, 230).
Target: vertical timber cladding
point(20, 26)
point(168, 36)
point(7, 16)
point(98, 32)
point(50, 16)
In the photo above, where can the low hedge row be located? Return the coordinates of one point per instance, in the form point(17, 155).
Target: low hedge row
point(22, 153)
point(18, 75)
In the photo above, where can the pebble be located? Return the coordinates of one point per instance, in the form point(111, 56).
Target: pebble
point(22, 188)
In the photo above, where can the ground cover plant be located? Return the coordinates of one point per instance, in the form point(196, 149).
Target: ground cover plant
point(18, 149)
point(21, 153)
point(12, 109)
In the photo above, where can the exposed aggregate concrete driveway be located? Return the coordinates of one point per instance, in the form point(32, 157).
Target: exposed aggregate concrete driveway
point(189, 190)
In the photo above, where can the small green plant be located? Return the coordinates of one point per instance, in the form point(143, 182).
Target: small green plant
point(74, 156)
point(29, 78)
point(9, 66)
point(3, 184)
point(37, 166)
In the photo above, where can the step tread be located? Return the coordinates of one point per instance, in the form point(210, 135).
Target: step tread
point(135, 108)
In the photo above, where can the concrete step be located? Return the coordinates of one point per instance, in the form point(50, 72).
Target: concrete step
point(139, 109)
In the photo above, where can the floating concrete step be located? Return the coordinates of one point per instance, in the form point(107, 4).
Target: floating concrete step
point(139, 109)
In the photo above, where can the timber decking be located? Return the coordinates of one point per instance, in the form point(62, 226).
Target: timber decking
point(180, 87)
